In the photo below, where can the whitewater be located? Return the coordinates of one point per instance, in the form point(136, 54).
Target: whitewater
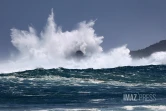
point(53, 48)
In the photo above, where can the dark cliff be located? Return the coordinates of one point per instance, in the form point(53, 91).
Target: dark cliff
point(157, 47)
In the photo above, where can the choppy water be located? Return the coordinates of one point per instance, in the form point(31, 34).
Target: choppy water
point(84, 89)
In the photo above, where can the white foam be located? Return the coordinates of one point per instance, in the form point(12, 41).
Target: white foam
point(53, 48)
point(148, 107)
point(70, 109)
point(58, 80)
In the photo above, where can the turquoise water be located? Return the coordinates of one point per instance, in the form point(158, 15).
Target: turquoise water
point(85, 89)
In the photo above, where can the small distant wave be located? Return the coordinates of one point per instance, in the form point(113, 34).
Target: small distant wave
point(145, 107)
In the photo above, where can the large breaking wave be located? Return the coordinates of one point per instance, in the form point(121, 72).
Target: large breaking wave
point(54, 48)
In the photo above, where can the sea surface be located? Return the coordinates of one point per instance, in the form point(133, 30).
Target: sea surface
point(137, 88)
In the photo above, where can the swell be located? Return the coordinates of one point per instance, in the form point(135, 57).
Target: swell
point(88, 87)
point(128, 74)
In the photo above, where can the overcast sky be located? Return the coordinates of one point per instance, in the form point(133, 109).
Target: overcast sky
point(137, 23)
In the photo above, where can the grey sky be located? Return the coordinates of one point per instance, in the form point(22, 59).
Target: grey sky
point(137, 23)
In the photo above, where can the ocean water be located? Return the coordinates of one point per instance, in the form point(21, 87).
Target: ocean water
point(97, 81)
point(113, 89)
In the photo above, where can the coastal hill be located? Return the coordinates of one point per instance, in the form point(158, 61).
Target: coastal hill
point(157, 47)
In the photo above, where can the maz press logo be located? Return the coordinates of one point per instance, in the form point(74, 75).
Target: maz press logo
point(135, 97)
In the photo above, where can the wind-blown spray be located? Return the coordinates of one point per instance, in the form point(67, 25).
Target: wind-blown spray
point(54, 48)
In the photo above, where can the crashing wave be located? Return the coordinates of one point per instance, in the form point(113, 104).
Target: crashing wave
point(78, 49)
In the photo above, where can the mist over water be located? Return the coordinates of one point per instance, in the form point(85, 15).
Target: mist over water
point(53, 48)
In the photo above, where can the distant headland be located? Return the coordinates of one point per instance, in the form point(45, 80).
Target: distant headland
point(157, 47)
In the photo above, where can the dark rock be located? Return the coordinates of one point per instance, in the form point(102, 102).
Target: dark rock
point(79, 54)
